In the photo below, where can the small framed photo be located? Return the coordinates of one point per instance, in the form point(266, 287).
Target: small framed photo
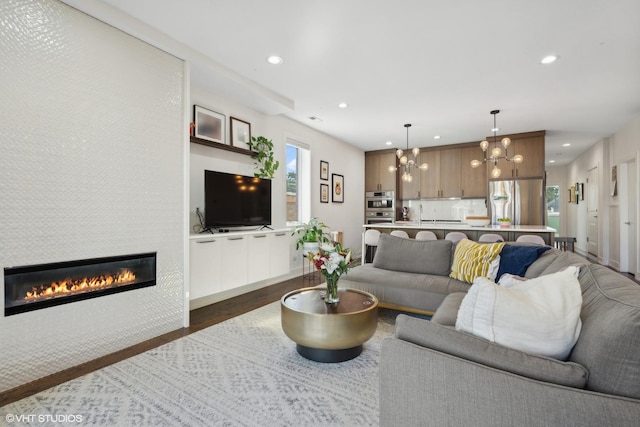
point(324, 170)
point(324, 193)
point(209, 125)
point(337, 188)
point(240, 133)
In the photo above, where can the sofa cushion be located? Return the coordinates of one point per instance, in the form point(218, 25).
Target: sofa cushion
point(447, 313)
point(609, 342)
point(423, 292)
point(563, 260)
point(516, 259)
point(469, 347)
point(413, 256)
point(540, 316)
point(472, 259)
point(542, 263)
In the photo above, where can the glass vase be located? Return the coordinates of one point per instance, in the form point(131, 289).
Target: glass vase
point(332, 296)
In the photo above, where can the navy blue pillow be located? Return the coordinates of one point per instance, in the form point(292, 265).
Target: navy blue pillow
point(516, 259)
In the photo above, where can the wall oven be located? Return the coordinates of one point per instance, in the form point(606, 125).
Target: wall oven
point(379, 207)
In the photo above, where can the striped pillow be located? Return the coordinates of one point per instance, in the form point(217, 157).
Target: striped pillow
point(473, 260)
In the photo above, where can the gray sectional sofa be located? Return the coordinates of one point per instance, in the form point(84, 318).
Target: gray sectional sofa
point(432, 374)
point(408, 274)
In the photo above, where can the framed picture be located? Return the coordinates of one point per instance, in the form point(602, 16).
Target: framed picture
point(337, 188)
point(209, 125)
point(240, 133)
point(324, 170)
point(324, 193)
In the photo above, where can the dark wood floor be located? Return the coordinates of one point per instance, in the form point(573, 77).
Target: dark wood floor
point(198, 319)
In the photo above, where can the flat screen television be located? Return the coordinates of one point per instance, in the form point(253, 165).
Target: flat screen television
point(232, 200)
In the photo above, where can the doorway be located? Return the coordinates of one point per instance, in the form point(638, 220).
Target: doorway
point(553, 207)
point(628, 188)
point(592, 212)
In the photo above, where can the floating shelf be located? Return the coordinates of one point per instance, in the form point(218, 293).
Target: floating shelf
point(226, 147)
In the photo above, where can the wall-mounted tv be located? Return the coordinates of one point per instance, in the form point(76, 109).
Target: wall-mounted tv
point(232, 200)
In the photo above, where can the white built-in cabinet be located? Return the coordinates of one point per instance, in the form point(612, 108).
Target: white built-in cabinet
point(234, 260)
point(225, 261)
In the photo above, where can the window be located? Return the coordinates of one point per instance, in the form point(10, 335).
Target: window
point(298, 182)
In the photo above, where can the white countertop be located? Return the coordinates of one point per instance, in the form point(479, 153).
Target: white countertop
point(425, 225)
point(249, 232)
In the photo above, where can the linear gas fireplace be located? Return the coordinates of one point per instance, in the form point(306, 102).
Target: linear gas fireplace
point(39, 286)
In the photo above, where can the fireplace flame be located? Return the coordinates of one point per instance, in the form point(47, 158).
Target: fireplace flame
point(70, 286)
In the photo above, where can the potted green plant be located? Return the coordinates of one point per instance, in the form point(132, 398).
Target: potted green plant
point(311, 235)
point(266, 163)
point(504, 222)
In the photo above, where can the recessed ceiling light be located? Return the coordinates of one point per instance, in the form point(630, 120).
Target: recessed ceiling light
point(552, 161)
point(343, 105)
point(436, 137)
point(549, 59)
point(566, 145)
point(388, 143)
point(275, 60)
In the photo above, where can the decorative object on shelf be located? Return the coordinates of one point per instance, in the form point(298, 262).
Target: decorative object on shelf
point(324, 170)
point(504, 222)
point(337, 185)
point(265, 161)
point(324, 193)
point(580, 190)
point(209, 125)
point(240, 133)
point(496, 152)
point(311, 232)
point(405, 163)
point(332, 261)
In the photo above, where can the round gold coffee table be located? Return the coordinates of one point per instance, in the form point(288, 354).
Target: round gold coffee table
point(329, 332)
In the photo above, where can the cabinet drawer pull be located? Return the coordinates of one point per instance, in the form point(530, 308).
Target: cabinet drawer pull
point(236, 238)
point(206, 241)
point(281, 234)
point(260, 236)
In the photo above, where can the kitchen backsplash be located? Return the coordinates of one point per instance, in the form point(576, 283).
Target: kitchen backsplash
point(445, 210)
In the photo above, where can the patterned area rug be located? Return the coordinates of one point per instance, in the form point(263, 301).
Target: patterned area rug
point(242, 372)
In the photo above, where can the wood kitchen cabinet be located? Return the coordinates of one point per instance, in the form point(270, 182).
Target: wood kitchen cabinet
point(376, 171)
point(531, 146)
point(450, 173)
point(430, 179)
point(473, 181)
point(442, 179)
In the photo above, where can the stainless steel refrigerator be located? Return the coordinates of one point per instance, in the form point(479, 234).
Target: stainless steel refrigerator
point(522, 200)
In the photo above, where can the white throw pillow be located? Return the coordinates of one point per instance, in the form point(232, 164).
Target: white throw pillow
point(539, 316)
point(509, 280)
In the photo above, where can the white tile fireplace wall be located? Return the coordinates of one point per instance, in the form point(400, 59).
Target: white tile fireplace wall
point(91, 165)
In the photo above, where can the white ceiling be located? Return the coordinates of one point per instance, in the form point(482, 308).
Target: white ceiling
point(440, 65)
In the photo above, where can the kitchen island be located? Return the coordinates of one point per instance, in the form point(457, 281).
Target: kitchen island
point(440, 229)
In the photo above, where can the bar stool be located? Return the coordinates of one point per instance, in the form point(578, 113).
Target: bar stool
point(531, 238)
point(565, 243)
point(490, 238)
point(426, 235)
point(371, 244)
point(455, 236)
point(400, 233)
